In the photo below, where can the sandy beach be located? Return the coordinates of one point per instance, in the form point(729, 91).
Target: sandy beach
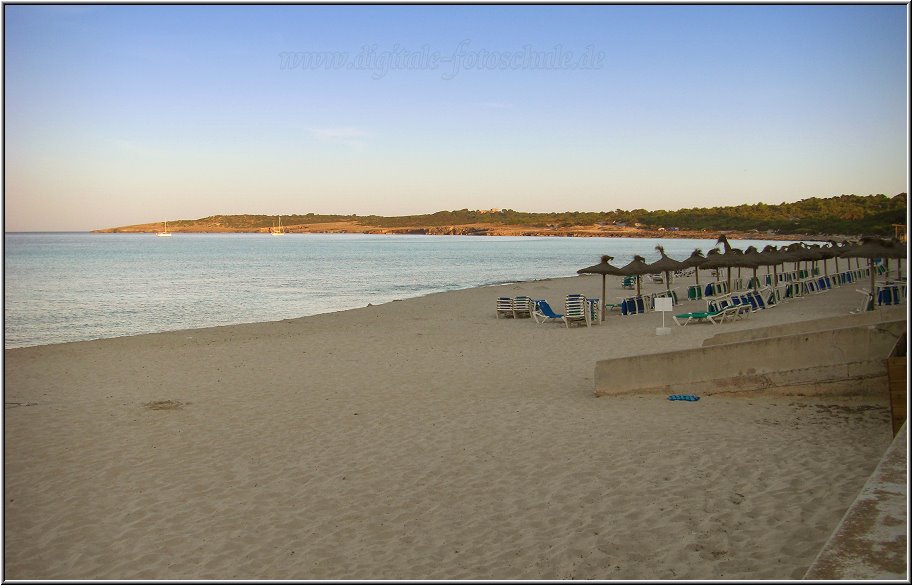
point(419, 439)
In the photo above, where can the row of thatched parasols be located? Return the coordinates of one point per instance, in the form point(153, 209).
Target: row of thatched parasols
point(869, 247)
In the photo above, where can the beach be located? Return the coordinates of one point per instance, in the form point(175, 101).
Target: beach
point(420, 439)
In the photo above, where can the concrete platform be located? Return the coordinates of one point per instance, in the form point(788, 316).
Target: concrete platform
point(871, 542)
point(810, 358)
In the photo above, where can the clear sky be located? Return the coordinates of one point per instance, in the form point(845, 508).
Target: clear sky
point(138, 113)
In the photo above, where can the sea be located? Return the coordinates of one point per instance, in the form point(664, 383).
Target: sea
point(65, 287)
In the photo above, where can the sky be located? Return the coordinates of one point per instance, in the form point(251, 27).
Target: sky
point(118, 115)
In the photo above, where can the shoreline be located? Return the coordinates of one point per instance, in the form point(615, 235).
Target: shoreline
point(248, 323)
point(418, 439)
point(488, 230)
point(647, 287)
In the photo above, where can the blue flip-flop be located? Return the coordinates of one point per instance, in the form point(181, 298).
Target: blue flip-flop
point(689, 397)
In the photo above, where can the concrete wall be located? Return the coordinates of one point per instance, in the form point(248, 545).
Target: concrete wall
point(848, 360)
point(871, 541)
point(868, 318)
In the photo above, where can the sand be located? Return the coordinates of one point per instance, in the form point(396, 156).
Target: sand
point(419, 439)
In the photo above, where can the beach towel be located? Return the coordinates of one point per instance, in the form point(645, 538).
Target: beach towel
point(689, 397)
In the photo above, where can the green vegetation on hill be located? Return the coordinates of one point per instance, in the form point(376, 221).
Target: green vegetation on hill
point(846, 214)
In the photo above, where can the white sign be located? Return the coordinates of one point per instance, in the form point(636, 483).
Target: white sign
point(663, 304)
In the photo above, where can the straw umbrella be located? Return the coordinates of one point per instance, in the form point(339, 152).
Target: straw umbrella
point(693, 261)
point(833, 250)
point(797, 253)
point(741, 259)
point(900, 253)
point(666, 265)
point(814, 253)
point(828, 252)
point(848, 245)
point(636, 267)
point(712, 260)
point(773, 257)
point(792, 253)
point(894, 249)
point(754, 259)
point(604, 268)
point(732, 257)
point(872, 248)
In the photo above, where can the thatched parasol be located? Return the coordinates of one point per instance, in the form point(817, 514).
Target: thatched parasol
point(731, 257)
point(899, 252)
point(794, 253)
point(712, 260)
point(604, 268)
point(872, 248)
point(827, 252)
point(636, 267)
point(666, 265)
point(814, 253)
point(753, 258)
point(773, 257)
point(693, 261)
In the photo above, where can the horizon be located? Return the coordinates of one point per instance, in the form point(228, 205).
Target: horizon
point(131, 114)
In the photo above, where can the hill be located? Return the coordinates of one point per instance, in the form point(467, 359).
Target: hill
point(813, 218)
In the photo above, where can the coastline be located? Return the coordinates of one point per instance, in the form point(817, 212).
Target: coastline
point(418, 439)
point(489, 230)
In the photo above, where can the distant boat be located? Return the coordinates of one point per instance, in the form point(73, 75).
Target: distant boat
point(278, 231)
point(164, 233)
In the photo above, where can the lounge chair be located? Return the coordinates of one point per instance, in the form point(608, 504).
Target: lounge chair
point(714, 289)
point(738, 302)
point(656, 278)
point(522, 307)
point(633, 305)
point(576, 310)
point(745, 299)
point(595, 310)
point(504, 307)
point(628, 306)
point(694, 317)
point(731, 313)
point(774, 298)
point(716, 304)
point(543, 312)
point(663, 295)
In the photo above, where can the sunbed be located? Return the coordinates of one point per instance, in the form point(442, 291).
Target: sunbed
point(504, 307)
point(731, 312)
point(695, 317)
point(543, 312)
point(522, 307)
point(576, 310)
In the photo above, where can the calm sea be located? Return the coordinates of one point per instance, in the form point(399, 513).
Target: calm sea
point(61, 287)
